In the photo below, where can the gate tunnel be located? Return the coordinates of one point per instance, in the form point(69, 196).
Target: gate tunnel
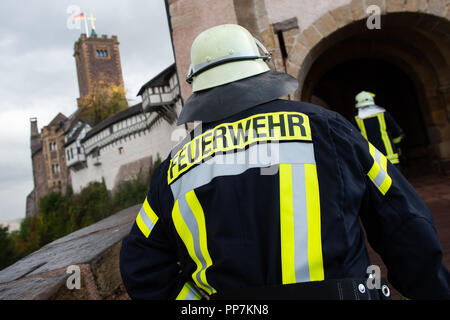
point(406, 66)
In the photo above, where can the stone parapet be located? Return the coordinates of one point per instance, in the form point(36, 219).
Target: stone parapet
point(93, 250)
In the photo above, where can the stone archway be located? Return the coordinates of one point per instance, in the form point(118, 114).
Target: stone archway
point(414, 37)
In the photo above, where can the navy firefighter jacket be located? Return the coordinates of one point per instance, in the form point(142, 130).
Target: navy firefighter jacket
point(275, 195)
point(383, 132)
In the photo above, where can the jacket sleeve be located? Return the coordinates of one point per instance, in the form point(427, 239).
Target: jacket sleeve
point(394, 128)
point(398, 224)
point(148, 262)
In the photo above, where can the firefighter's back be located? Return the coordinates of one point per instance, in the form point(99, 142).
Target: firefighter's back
point(258, 199)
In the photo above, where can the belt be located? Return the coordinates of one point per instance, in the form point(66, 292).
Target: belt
point(333, 289)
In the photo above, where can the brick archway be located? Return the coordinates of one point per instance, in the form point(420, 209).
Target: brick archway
point(413, 36)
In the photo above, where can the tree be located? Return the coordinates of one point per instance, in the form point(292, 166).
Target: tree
point(105, 101)
point(62, 214)
point(7, 253)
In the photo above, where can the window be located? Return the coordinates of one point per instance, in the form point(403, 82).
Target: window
point(102, 52)
point(71, 152)
point(121, 150)
point(55, 168)
point(78, 150)
point(96, 152)
point(68, 155)
point(52, 146)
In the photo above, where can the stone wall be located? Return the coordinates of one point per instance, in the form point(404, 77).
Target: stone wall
point(188, 19)
point(44, 274)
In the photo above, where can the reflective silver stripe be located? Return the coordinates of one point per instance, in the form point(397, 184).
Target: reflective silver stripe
point(300, 223)
point(191, 294)
point(380, 177)
point(378, 156)
point(256, 156)
point(146, 219)
point(190, 221)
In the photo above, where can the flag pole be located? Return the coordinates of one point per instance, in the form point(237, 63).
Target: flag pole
point(85, 25)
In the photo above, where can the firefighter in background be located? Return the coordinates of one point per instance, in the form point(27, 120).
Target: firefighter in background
point(221, 221)
point(378, 126)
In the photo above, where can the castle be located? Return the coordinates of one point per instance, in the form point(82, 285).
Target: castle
point(72, 152)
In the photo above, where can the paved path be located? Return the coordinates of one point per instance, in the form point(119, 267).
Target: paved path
point(435, 191)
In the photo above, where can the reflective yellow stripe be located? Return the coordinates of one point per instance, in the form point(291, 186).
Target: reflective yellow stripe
point(197, 209)
point(372, 150)
point(188, 292)
point(146, 219)
point(184, 292)
point(362, 128)
point(385, 185)
point(387, 181)
point(394, 161)
point(151, 214)
point(287, 224)
point(144, 229)
point(383, 163)
point(397, 140)
point(315, 261)
point(384, 135)
point(300, 227)
point(186, 236)
point(190, 226)
point(378, 172)
point(393, 158)
point(373, 172)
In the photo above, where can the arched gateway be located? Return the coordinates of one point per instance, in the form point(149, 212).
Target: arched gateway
point(405, 62)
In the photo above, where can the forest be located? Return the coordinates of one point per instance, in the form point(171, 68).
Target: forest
point(60, 214)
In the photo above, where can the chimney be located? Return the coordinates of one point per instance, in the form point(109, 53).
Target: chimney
point(34, 128)
point(35, 137)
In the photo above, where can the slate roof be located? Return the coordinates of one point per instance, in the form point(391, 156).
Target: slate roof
point(124, 114)
point(75, 135)
point(161, 79)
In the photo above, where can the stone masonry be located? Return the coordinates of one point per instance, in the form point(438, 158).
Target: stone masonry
point(95, 250)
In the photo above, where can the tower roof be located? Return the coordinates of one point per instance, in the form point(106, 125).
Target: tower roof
point(57, 119)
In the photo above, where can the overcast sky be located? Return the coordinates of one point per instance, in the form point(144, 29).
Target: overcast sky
point(38, 74)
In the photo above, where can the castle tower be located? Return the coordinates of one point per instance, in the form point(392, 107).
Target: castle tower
point(98, 63)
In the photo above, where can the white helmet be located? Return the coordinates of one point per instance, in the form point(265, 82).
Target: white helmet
point(364, 99)
point(223, 54)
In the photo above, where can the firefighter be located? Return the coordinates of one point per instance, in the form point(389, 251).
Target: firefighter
point(263, 199)
point(378, 126)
